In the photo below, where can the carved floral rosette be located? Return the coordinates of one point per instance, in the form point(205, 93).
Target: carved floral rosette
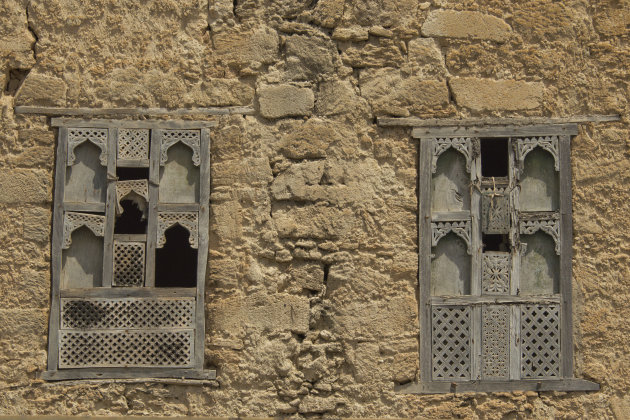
point(190, 138)
point(548, 143)
point(98, 136)
point(72, 221)
point(460, 228)
point(187, 220)
point(124, 188)
point(549, 224)
point(463, 145)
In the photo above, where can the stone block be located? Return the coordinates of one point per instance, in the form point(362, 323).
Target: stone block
point(277, 101)
point(404, 367)
point(37, 156)
point(300, 182)
point(390, 93)
point(340, 97)
point(309, 57)
point(307, 275)
point(465, 24)
point(21, 186)
point(353, 33)
point(496, 95)
point(425, 58)
point(248, 171)
point(381, 52)
point(37, 223)
point(38, 89)
point(28, 289)
point(281, 312)
point(378, 319)
point(248, 50)
point(225, 92)
point(309, 140)
point(313, 404)
point(318, 221)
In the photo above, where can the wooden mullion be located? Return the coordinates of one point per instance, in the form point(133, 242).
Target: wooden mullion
point(202, 254)
point(424, 259)
point(566, 256)
point(515, 256)
point(475, 275)
point(154, 182)
point(56, 257)
point(110, 209)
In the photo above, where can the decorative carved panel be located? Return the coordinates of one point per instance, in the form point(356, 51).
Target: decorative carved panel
point(495, 273)
point(125, 348)
point(73, 221)
point(548, 223)
point(190, 138)
point(451, 342)
point(495, 343)
point(441, 229)
point(129, 259)
point(124, 188)
point(133, 143)
point(540, 341)
point(187, 220)
point(462, 144)
point(495, 211)
point(127, 313)
point(548, 143)
point(98, 136)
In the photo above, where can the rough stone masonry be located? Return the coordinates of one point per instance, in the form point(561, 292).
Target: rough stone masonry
point(312, 282)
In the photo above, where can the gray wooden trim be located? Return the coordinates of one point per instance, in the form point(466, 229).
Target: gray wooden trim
point(569, 384)
point(450, 216)
point(566, 256)
point(202, 254)
point(84, 207)
point(132, 373)
point(515, 342)
point(179, 206)
point(121, 292)
point(57, 238)
point(493, 299)
point(419, 122)
point(424, 258)
point(132, 163)
point(130, 237)
point(110, 209)
point(154, 184)
point(496, 131)
point(475, 266)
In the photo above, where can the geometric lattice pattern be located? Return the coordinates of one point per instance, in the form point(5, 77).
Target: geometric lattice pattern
point(129, 258)
point(78, 349)
point(540, 341)
point(451, 342)
point(495, 273)
point(187, 219)
point(495, 211)
point(127, 313)
point(133, 143)
point(495, 342)
point(190, 138)
point(98, 136)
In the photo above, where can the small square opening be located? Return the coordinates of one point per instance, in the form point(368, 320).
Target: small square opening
point(496, 243)
point(494, 157)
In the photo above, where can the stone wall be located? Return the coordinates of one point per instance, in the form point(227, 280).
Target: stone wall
point(312, 281)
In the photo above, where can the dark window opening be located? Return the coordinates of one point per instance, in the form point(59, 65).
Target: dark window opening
point(127, 174)
point(176, 262)
point(496, 243)
point(494, 157)
point(133, 219)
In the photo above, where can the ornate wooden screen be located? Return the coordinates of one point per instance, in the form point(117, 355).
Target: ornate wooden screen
point(495, 238)
point(130, 197)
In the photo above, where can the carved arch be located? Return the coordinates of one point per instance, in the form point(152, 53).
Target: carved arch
point(464, 145)
point(550, 225)
point(527, 144)
point(72, 221)
point(187, 220)
point(441, 229)
point(190, 138)
point(124, 188)
point(97, 136)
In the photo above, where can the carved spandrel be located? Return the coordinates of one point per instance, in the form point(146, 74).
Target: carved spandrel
point(125, 188)
point(190, 138)
point(495, 276)
point(464, 145)
point(441, 229)
point(548, 143)
point(495, 211)
point(187, 220)
point(550, 224)
point(73, 220)
point(98, 136)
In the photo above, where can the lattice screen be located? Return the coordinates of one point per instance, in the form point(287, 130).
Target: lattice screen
point(495, 343)
point(451, 342)
point(133, 143)
point(540, 341)
point(129, 261)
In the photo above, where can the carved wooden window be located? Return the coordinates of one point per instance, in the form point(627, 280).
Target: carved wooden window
point(130, 243)
point(495, 260)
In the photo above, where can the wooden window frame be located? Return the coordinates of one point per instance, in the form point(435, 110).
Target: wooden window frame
point(564, 381)
point(195, 369)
